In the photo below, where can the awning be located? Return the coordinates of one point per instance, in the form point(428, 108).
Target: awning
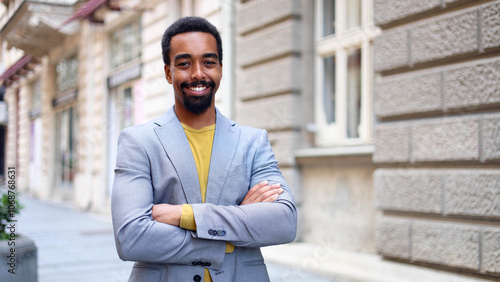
point(87, 11)
point(19, 68)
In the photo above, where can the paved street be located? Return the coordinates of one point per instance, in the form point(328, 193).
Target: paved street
point(79, 247)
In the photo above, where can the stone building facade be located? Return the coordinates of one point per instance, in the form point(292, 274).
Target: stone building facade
point(418, 181)
point(437, 145)
point(383, 114)
point(281, 56)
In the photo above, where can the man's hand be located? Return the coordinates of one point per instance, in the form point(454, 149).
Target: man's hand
point(169, 214)
point(262, 192)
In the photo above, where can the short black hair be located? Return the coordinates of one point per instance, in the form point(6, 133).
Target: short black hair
point(188, 24)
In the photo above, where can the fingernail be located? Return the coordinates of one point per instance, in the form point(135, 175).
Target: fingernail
point(276, 185)
point(264, 182)
point(281, 190)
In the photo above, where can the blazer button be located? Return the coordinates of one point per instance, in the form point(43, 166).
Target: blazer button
point(197, 278)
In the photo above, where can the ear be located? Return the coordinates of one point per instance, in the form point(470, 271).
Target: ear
point(168, 73)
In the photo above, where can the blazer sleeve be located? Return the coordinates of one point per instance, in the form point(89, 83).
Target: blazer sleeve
point(137, 236)
point(253, 225)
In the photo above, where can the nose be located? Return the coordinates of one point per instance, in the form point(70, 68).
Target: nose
point(197, 72)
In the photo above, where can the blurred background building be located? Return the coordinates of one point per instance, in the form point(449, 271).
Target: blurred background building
point(383, 114)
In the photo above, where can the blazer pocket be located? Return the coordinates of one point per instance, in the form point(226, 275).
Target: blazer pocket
point(237, 169)
point(145, 273)
point(254, 262)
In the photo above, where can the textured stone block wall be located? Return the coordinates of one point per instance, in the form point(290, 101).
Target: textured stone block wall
point(268, 87)
point(437, 135)
point(446, 36)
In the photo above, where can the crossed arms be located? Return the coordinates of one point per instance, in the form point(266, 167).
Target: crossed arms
point(262, 192)
point(149, 233)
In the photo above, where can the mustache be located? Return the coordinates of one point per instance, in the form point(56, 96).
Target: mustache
point(198, 83)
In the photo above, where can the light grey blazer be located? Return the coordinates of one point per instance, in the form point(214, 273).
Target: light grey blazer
point(155, 165)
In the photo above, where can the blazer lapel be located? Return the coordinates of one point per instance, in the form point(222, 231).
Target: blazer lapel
point(226, 139)
point(175, 143)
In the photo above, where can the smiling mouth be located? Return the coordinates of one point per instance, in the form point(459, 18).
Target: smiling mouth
point(198, 88)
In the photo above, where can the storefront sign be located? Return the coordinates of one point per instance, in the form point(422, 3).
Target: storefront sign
point(65, 98)
point(36, 112)
point(125, 75)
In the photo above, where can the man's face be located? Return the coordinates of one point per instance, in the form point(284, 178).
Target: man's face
point(194, 70)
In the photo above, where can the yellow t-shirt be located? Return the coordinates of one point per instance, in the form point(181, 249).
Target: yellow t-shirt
point(200, 141)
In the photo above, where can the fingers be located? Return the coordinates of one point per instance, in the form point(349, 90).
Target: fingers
point(257, 187)
point(269, 193)
point(262, 192)
point(251, 194)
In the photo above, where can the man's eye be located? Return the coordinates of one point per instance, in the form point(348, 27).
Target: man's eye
point(183, 64)
point(210, 62)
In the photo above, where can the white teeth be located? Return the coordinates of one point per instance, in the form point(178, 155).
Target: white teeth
point(198, 88)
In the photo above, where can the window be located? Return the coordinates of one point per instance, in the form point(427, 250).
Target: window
point(66, 124)
point(121, 114)
point(344, 31)
point(126, 108)
point(36, 97)
point(126, 44)
point(65, 148)
point(67, 74)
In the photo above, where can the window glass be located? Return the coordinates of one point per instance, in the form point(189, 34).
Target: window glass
point(353, 92)
point(67, 74)
point(66, 154)
point(36, 98)
point(128, 108)
point(328, 17)
point(329, 88)
point(353, 14)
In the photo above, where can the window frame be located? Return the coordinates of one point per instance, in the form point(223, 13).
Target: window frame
point(68, 169)
point(67, 80)
point(338, 44)
point(120, 33)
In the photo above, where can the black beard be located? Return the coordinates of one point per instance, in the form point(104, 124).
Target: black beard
point(197, 104)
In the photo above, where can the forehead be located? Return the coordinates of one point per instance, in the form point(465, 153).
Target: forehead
point(193, 43)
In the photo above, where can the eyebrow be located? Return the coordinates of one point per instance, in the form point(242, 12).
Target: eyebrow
point(182, 56)
point(210, 55)
point(187, 56)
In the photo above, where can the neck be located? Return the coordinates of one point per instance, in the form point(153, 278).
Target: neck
point(193, 120)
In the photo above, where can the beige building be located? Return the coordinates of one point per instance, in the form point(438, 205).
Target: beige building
point(95, 67)
point(383, 114)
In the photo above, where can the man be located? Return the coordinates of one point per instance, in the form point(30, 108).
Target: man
point(182, 205)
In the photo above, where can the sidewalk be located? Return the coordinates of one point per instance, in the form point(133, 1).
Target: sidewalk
point(72, 246)
point(79, 247)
